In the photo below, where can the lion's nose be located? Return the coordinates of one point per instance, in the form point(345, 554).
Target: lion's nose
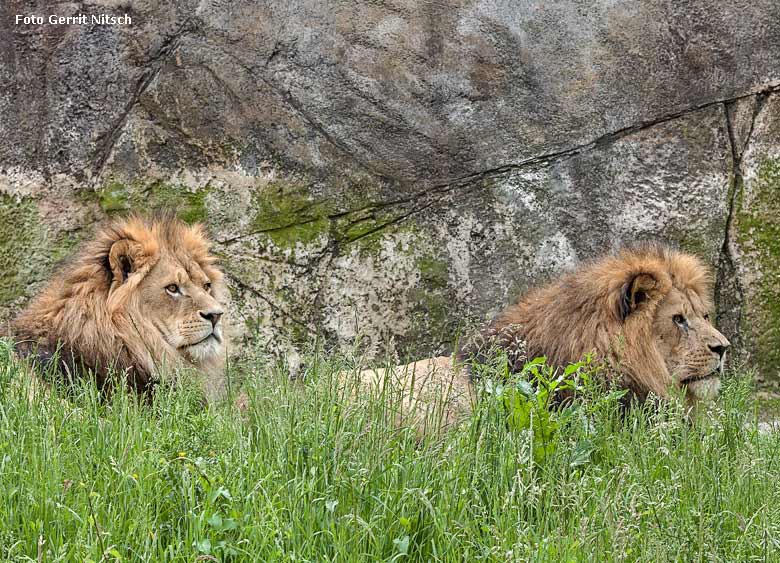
point(719, 349)
point(212, 316)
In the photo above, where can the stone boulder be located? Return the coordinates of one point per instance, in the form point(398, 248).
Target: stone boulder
point(380, 175)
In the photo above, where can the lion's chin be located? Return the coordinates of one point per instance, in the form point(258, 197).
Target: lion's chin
point(205, 350)
point(705, 388)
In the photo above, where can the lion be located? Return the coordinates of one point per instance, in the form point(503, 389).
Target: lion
point(143, 299)
point(643, 313)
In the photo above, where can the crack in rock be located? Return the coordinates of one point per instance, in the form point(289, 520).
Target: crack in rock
point(729, 291)
point(607, 138)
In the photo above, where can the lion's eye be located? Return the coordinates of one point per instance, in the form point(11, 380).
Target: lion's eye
point(172, 288)
point(207, 286)
point(706, 316)
point(679, 319)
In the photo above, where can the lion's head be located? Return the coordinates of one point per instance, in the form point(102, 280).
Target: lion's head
point(143, 297)
point(645, 311)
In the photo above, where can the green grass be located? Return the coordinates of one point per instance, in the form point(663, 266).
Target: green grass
point(308, 475)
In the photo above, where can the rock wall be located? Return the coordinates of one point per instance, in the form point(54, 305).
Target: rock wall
point(378, 174)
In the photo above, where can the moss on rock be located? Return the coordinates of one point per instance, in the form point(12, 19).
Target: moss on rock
point(28, 250)
point(20, 233)
point(433, 271)
point(288, 214)
point(432, 316)
point(189, 205)
point(758, 223)
point(114, 198)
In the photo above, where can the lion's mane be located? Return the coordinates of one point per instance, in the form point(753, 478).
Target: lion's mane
point(606, 307)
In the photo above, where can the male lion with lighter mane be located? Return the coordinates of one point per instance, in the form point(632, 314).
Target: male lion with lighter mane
point(644, 313)
point(143, 298)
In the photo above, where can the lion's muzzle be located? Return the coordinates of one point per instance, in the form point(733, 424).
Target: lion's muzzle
point(211, 316)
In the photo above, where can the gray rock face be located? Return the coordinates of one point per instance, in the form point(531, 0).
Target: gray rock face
point(380, 174)
point(752, 248)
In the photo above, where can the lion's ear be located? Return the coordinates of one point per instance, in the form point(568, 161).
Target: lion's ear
point(635, 292)
point(124, 258)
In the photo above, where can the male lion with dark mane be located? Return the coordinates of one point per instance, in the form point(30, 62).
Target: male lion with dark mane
point(144, 298)
point(643, 312)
